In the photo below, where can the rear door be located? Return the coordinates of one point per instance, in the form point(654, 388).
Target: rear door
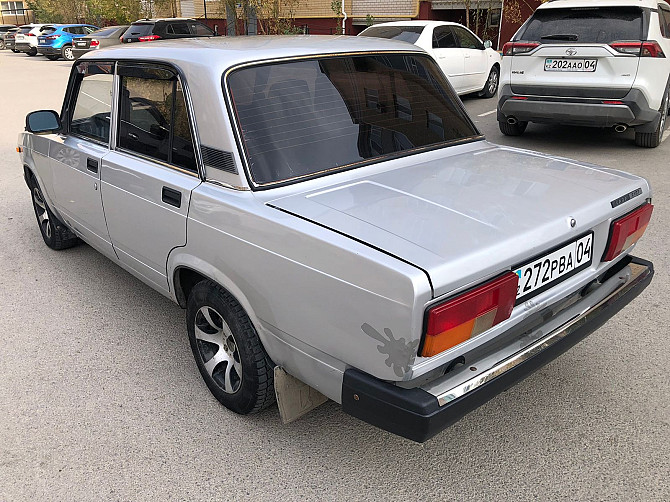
point(450, 56)
point(148, 179)
point(575, 57)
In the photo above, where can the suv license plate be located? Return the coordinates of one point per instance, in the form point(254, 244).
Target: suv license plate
point(551, 64)
point(542, 273)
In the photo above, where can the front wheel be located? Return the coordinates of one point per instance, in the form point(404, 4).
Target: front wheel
point(53, 57)
point(54, 233)
point(653, 139)
point(516, 129)
point(491, 86)
point(67, 53)
point(227, 350)
point(14, 51)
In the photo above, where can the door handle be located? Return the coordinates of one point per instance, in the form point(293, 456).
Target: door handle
point(171, 196)
point(132, 135)
point(92, 165)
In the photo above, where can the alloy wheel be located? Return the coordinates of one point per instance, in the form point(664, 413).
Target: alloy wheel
point(493, 82)
point(68, 54)
point(218, 349)
point(42, 213)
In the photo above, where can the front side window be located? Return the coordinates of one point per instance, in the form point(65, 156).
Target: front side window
point(178, 29)
point(304, 118)
point(200, 29)
point(91, 110)
point(466, 39)
point(153, 120)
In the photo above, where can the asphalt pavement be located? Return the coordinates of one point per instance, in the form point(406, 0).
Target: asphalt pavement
point(100, 398)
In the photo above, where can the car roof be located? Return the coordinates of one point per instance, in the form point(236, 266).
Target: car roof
point(416, 23)
point(155, 20)
point(568, 4)
point(219, 53)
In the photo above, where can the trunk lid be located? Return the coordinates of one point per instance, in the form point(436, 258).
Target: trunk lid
point(462, 218)
point(82, 43)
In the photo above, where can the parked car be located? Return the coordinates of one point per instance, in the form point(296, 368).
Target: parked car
point(469, 64)
point(146, 30)
point(4, 28)
point(104, 37)
point(324, 208)
point(8, 39)
point(25, 39)
point(58, 42)
point(605, 66)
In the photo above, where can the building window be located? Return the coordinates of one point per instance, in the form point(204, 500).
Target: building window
point(11, 8)
point(493, 20)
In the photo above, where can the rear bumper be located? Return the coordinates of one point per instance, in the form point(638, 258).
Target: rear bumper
point(46, 50)
point(23, 47)
point(634, 110)
point(77, 53)
point(418, 415)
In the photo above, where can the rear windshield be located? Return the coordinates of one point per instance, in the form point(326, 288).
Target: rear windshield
point(48, 30)
point(139, 30)
point(106, 32)
point(25, 30)
point(303, 118)
point(405, 33)
point(602, 25)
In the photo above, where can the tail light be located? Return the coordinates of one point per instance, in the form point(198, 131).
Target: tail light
point(31, 35)
point(627, 230)
point(514, 48)
point(648, 49)
point(94, 43)
point(469, 314)
point(149, 38)
point(53, 37)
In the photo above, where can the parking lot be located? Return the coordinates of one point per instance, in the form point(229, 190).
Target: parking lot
point(100, 398)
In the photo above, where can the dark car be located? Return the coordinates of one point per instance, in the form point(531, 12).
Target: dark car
point(111, 35)
point(146, 30)
point(7, 37)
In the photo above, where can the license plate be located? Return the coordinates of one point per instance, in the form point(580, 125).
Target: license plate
point(81, 44)
point(563, 64)
point(546, 271)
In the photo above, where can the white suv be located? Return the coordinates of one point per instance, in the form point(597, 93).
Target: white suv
point(26, 38)
point(600, 63)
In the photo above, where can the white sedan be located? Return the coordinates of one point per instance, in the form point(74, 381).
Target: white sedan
point(469, 64)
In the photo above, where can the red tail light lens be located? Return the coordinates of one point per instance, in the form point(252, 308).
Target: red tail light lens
point(94, 43)
point(469, 314)
point(149, 38)
point(31, 35)
point(648, 49)
point(627, 230)
point(514, 48)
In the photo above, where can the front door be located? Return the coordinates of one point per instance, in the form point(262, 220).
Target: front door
point(76, 155)
point(475, 59)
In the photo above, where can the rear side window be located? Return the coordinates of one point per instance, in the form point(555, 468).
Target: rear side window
point(443, 38)
point(303, 118)
point(405, 33)
point(602, 25)
point(200, 29)
point(153, 118)
point(178, 29)
point(664, 21)
point(92, 101)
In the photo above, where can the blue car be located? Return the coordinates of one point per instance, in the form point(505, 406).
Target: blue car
point(57, 43)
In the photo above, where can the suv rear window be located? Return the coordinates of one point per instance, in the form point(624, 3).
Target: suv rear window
point(139, 29)
point(405, 33)
point(601, 25)
point(23, 31)
point(304, 118)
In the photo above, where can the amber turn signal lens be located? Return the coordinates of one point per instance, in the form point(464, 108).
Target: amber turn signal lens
point(469, 314)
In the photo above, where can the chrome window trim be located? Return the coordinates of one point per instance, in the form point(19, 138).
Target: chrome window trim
point(147, 158)
point(240, 143)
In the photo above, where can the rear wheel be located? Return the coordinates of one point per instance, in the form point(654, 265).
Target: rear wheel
point(32, 52)
point(653, 139)
point(53, 57)
point(2, 44)
point(67, 53)
point(491, 86)
point(14, 51)
point(516, 129)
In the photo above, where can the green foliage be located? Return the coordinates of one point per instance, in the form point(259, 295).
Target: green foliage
point(96, 12)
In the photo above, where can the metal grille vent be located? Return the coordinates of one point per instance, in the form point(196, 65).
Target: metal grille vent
point(218, 159)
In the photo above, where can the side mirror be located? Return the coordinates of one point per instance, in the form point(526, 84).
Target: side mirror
point(43, 122)
point(487, 44)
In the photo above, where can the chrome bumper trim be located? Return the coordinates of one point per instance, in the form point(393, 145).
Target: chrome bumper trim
point(637, 274)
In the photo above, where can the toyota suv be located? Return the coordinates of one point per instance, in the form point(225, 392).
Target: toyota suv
point(599, 63)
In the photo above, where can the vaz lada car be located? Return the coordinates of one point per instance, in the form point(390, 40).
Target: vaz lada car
point(324, 208)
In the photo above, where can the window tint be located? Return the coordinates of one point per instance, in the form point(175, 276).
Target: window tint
point(443, 38)
point(664, 20)
point(601, 25)
point(466, 39)
point(48, 31)
point(139, 30)
point(306, 117)
point(200, 29)
point(153, 119)
point(92, 101)
point(405, 33)
point(178, 29)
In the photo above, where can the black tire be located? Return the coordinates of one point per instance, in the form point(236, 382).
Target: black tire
point(67, 53)
point(227, 350)
point(32, 52)
point(512, 129)
point(14, 51)
point(56, 235)
point(54, 57)
point(2, 45)
point(491, 86)
point(653, 139)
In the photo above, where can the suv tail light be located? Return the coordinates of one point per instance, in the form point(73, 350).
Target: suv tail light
point(514, 48)
point(149, 38)
point(648, 49)
point(627, 230)
point(469, 314)
point(31, 35)
point(94, 43)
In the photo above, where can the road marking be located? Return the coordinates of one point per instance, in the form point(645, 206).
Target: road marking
point(487, 113)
